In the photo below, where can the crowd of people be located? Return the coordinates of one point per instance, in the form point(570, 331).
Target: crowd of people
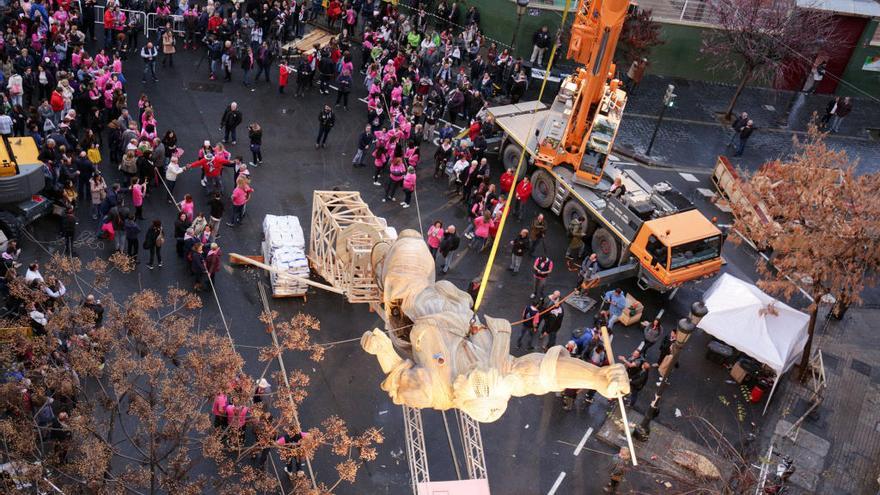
point(423, 72)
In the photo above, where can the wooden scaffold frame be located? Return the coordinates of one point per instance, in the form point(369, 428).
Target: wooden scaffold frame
point(343, 235)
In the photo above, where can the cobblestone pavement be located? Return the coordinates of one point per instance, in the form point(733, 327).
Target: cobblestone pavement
point(690, 135)
point(838, 451)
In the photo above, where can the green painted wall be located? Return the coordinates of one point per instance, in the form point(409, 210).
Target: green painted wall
point(498, 21)
point(867, 81)
point(680, 55)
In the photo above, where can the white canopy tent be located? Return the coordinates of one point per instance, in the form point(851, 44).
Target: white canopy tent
point(746, 318)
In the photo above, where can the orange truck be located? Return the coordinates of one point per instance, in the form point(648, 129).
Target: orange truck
point(650, 232)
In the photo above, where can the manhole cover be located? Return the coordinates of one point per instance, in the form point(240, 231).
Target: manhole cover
point(207, 87)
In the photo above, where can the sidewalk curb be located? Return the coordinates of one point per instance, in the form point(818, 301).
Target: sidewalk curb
point(645, 161)
point(639, 158)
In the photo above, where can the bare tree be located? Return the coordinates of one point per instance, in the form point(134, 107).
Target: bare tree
point(761, 39)
point(121, 402)
point(825, 237)
point(640, 34)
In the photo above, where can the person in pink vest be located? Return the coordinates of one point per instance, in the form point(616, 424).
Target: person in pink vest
point(219, 410)
point(236, 416)
point(396, 171)
point(409, 185)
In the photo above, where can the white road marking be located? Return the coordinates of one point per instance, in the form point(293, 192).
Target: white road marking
point(583, 441)
point(558, 482)
point(689, 177)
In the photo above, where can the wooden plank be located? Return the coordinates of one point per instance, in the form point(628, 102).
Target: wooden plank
point(8, 334)
point(236, 261)
point(283, 273)
point(289, 296)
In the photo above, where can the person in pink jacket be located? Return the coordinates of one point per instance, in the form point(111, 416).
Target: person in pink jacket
point(435, 235)
point(481, 231)
point(138, 191)
point(219, 410)
point(409, 185)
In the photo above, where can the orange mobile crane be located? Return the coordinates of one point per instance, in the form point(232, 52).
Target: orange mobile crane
point(652, 232)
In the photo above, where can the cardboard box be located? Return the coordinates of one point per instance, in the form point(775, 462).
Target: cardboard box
point(632, 313)
point(738, 373)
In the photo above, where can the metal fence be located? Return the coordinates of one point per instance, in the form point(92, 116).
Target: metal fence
point(680, 11)
point(176, 24)
point(129, 14)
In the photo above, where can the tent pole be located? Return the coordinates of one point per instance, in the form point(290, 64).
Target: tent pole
point(772, 389)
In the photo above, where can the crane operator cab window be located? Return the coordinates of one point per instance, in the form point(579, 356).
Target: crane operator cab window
point(695, 252)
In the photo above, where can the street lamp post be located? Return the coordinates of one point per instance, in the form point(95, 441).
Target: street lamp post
point(684, 330)
point(521, 6)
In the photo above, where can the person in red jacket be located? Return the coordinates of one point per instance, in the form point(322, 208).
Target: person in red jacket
point(213, 168)
point(523, 193)
point(474, 130)
point(506, 181)
point(214, 23)
point(56, 101)
point(109, 28)
point(283, 73)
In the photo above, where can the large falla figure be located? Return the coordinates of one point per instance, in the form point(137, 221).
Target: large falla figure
point(452, 360)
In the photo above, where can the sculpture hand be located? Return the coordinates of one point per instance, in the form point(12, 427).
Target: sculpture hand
point(376, 342)
point(616, 381)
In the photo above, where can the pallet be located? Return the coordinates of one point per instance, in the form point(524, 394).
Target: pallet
point(304, 296)
point(315, 36)
point(261, 259)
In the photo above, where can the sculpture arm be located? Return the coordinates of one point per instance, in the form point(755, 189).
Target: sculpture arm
point(406, 383)
point(556, 371)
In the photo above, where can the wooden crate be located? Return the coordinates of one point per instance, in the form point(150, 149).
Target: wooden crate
point(344, 233)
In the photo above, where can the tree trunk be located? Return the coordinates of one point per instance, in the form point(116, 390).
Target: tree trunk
point(808, 347)
point(739, 89)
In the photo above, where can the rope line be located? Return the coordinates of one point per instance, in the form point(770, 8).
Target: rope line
point(497, 241)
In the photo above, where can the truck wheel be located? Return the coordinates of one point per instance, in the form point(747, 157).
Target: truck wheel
point(510, 158)
point(605, 246)
point(10, 228)
point(543, 188)
point(572, 210)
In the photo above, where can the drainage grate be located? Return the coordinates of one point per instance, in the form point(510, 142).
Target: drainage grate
point(207, 87)
point(830, 361)
point(861, 367)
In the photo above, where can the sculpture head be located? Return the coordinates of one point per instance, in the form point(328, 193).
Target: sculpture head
point(482, 394)
point(407, 267)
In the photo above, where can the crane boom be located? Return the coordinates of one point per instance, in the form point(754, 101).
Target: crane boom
point(589, 100)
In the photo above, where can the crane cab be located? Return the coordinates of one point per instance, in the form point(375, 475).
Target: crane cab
point(677, 248)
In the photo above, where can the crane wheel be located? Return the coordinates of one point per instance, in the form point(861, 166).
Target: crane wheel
point(10, 228)
point(606, 248)
point(510, 157)
point(543, 188)
point(573, 210)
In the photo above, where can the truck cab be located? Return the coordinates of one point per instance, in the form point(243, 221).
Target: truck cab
point(674, 249)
